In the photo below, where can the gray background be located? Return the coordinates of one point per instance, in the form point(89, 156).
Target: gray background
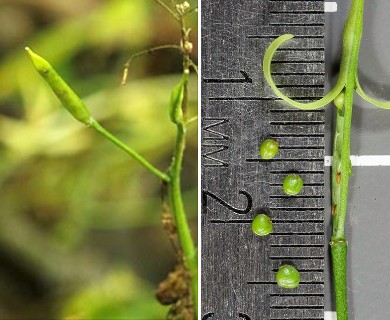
point(369, 214)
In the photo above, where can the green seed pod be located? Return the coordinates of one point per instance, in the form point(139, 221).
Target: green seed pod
point(177, 96)
point(65, 94)
point(339, 101)
point(292, 184)
point(262, 225)
point(268, 149)
point(288, 277)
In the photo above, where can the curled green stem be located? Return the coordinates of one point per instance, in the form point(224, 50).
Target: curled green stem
point(268, 56)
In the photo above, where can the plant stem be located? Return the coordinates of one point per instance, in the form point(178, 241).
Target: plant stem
point(143, 52)
point(185, 238)
point(129, 151)
point(165, 6)
point(341, 168)
point(174, 172)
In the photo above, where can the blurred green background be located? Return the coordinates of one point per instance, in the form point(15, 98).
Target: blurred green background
point(80, 230)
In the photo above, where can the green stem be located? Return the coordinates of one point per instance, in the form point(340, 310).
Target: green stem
point(143, 52)
point(341, 168)
point(174, 189)
point(339, 266)
point(165, 6)
point(94, 124)
point(174, 186)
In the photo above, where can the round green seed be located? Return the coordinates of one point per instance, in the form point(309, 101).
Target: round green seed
point(268, 149)
point(262, 225)
point(292, 184)
point(288, 277)
point(339, 101)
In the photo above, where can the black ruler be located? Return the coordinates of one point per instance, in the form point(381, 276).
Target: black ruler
point(239, 111)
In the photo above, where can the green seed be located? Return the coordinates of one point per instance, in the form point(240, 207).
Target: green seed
point(288, 277)
point(339, 101)
point(268, 149)
point(262, 225)
point(64, 93)
point(292, 184)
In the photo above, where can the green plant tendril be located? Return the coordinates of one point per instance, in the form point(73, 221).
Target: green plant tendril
point(380, 104)
point(269, 53)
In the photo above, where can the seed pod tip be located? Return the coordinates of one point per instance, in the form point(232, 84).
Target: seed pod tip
point(39, 63)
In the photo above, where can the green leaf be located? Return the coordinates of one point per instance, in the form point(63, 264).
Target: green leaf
point(304, 106)
point(380, 104)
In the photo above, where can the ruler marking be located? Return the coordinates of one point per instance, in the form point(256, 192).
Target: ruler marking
point(282, 159)
point(294, 111)
point(297, 233)
point(293, 258)
point(277, 196)
point(299, 74)
point(319, 12)
point(281, 147)
point(297, 171)
point(300, 86)
point(301, 149)
point(276, 221)
point(275, 283)
point(296, 24)
point(275, 135)
point(271, 36)
point(330, 6)
point(306, 184)
point(313, 123)
point(297, 307)
point(259, 99)
point(302, 270)
point(298, 294)
point(330, 315)
point(245, 221)
point(297, 1)
point(296, 245)
point(296, 62)
point(301, 49)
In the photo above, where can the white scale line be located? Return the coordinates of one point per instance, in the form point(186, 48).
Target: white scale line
point(330, 315)
point(330, 7)
point(364, 161)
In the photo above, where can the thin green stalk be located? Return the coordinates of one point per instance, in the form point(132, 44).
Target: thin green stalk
point(76, 107)
point(143, 52)
point(174, 172)
point(165, 6)
point(174, 189)
point(130, 151)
